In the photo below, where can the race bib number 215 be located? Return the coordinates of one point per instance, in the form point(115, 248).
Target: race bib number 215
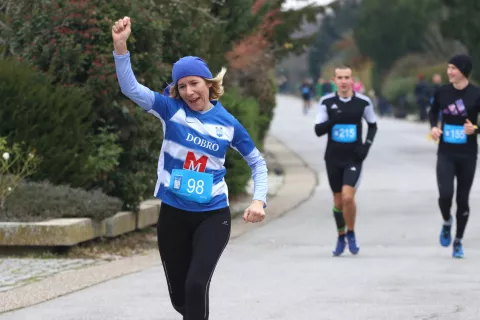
point(344, 133)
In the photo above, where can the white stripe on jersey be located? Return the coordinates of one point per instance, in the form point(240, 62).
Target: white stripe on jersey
point(164, 178)
point(159, 169)
point(179, 152)
point(326, 96)
point(368, 113)
point(220, 188)
point(206, 129)
point(363, 97)
point(161, 157)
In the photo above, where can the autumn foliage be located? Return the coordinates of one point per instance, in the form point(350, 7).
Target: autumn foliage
point(249, 51)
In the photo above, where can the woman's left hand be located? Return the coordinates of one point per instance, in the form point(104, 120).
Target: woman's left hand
point(254, 213)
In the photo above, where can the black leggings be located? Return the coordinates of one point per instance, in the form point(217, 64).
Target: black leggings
point(190, 245)
point(449, 167)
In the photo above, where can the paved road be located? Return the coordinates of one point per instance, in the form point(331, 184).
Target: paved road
point(285, 271)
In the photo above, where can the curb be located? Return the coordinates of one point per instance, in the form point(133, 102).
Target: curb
point(72, 231)
point(299, 185)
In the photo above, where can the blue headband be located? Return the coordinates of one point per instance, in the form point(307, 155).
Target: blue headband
point(190, 66)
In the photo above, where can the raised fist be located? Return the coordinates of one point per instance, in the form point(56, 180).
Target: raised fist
point(121, 29)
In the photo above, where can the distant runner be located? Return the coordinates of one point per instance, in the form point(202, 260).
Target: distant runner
point(340, 116)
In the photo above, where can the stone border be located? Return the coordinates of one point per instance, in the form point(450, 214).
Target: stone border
point(72, 231)
point(299, 185)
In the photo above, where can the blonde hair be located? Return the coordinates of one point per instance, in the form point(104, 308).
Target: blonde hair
point(216, 90)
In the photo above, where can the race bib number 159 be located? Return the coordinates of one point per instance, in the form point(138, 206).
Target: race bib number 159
point(454, 134)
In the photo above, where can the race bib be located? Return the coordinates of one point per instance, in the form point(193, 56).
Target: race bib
point(344, 133)
point(192, 185)
point(454, 134)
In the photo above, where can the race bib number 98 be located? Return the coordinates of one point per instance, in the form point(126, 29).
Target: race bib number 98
point(454, 134)
point(192, 185)
point(344, 133)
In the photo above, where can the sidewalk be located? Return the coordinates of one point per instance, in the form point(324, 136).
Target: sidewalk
point(66, 276)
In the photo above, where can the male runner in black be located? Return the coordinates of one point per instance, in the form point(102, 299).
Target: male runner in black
point(459, 102)
point(340, 115)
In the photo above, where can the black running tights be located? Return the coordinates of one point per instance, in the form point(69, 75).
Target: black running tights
point(190, 245)
point(449, 167)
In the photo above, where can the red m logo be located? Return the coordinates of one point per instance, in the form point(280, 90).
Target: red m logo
point(192, 163)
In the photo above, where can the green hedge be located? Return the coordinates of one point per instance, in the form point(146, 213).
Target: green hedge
point(246, 111)
point(395, 88)
point(38, 201)
point(134, 179)
point(265, 89)
point(55, 120)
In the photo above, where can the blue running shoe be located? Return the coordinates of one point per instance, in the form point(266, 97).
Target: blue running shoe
point(352, 242)
point(446, 235)
point(341, 244)
point(458, 250)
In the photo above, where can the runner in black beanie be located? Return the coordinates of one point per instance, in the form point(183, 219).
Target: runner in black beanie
point(463, 63)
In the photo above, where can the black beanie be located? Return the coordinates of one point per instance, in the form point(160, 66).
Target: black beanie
point(463, 63)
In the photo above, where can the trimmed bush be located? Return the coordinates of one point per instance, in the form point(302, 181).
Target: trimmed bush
point(38, 201)
point(246, 111)
point(409, 65)
point(134, 179)
point(396, 88)
point(261, 85)
point(54, 120)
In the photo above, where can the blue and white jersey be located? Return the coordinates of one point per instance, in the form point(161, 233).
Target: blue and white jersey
point(193, 141)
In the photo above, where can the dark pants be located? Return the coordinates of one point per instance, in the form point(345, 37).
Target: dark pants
point(463, 168)
point(190, 245)
point(343, 174)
